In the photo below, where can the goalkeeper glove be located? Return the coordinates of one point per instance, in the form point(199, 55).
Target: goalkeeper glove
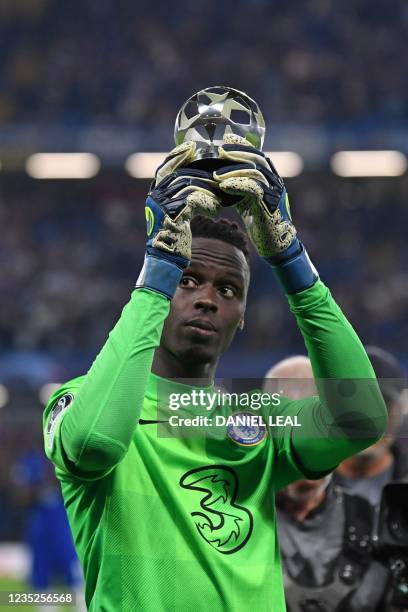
point(176, 195)
point(264, 208)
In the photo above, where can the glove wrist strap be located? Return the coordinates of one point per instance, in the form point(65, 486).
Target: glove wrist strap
point(161, 274)
point(297, 273)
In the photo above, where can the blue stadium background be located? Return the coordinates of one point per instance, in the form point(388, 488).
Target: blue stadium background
point(108, 77)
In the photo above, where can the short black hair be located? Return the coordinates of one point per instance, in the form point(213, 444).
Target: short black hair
point(220, 229)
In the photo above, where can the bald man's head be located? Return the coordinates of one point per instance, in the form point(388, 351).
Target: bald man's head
point(292, 376)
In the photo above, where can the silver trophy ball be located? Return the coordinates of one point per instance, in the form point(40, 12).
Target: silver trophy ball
point(212, 113)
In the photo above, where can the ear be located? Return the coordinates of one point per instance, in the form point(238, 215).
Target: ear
point(241, 324)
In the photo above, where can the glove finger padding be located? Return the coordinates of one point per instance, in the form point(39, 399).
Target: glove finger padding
point(175, 196)
point(174, 237)
point(179, 156)
point(238, 149)
point(238, 171)
point(190, 191)
point(202, 201)
point(176, 234)
point(180, 196)
point(244, 180)
point(184, 180)
point(270, 233)
point(264, 206)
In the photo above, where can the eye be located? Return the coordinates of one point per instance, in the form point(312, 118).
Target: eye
point(227, 292)
point(188, 282)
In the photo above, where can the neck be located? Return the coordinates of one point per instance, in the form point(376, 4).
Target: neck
point(356, 467)
point(168, 365)
point(300, 510)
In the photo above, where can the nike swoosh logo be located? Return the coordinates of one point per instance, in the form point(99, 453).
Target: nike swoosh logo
point(148, 422)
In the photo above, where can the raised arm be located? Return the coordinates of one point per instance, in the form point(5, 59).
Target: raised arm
point(89, 424)
point(349, 413)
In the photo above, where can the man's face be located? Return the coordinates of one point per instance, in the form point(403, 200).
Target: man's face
point(209, 305)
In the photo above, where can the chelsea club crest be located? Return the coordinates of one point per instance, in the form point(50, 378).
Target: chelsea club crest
point(246, 429)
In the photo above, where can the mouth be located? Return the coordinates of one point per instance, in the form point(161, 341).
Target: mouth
point(204, 327)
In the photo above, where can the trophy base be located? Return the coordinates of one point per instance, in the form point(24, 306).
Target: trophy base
point(209, 164)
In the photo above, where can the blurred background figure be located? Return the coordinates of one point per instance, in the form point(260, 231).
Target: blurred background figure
point(386, 461)
point(325, 534)
point(53, 561)
point(293, 376)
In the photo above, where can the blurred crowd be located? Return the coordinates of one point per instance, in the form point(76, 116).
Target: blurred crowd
point(20, 433)
point(86, 62)
point(71, 253)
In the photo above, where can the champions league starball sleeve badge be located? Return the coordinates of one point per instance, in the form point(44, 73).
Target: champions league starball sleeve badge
point(212, 113)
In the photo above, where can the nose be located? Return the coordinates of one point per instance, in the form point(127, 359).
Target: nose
point(206, 299)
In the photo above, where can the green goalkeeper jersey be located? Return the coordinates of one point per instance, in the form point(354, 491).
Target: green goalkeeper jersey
point(170, 523)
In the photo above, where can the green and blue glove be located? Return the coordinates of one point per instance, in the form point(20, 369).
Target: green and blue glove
point(264, 207)
point(175, 196)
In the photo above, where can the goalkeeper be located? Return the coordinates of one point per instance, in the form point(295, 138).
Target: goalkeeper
point(188, 524)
